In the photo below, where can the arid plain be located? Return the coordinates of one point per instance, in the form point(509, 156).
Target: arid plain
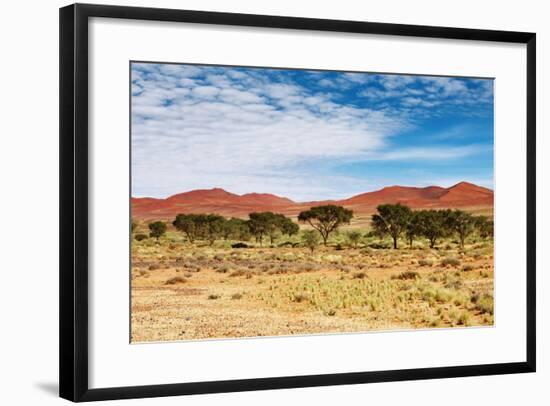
point(236, 287)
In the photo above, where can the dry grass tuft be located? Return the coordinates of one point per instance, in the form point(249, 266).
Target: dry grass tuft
point(175, 280)
point(407, 275)
point(450, 261)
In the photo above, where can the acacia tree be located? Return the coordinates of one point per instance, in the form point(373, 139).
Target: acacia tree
point(236, 228)
point(269, 224)
point(188, 225)
point(462, 223)
point(326, 219)
point(287, 226)
point(391, 219)
point(157, 229)
point(432, 224)
point(485, 226)
point(208, 227)
point(273, 226)
point(414, 228)
point(211, 227)
point(260, 225)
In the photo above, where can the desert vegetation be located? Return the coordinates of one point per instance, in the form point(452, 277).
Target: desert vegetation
point(207, 276)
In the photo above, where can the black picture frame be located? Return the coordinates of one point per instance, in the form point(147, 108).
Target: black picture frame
point(73, 300)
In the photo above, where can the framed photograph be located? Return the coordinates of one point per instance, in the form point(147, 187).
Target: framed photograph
point(258, 202)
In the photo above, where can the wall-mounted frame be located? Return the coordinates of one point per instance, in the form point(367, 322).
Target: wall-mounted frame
point(98, 44)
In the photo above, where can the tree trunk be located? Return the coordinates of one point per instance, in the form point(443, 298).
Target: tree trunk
point(394, 243)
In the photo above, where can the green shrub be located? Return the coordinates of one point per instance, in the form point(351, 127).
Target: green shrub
point(140, 237)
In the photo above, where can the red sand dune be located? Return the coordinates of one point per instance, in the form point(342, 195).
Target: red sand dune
point(461, 195)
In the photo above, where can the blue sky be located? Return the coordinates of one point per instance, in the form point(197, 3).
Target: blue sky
point(306, 135)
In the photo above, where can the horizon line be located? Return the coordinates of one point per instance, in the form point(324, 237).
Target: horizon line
point(310, 201)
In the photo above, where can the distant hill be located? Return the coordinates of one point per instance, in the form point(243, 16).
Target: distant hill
point(462, 195)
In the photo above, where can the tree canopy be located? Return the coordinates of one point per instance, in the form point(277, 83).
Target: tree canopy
point(485, 226)
point(207, 227)
point(391, 219)
point(210, 227)
point(236, 229)
point(270, 224)
point(462, 223)
point(157, 229)
point(326, 219)
point(432, 224)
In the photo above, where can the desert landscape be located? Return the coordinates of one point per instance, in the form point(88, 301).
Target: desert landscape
point(209, 264)
point(269, 201)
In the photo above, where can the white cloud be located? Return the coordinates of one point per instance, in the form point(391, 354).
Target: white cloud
point(281, 91)
point(202, 127)
point(216, 134)
point(425, 92)
point(205, 92)
point(431, 154)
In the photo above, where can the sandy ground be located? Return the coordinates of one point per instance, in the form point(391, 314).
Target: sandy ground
point(247, 300)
